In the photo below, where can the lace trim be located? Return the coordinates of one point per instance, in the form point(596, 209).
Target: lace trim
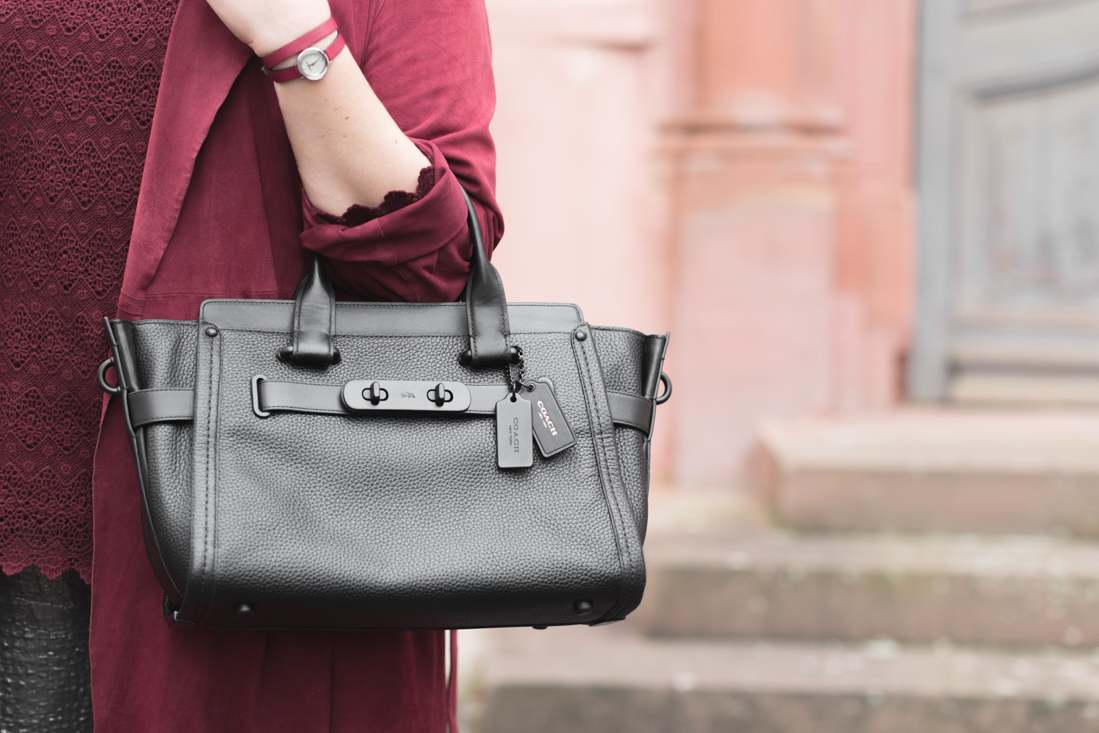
point(126, 20)
point(76, 103)
point(45, 536)
point(357, 215)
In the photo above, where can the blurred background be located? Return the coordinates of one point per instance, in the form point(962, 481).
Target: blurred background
point(872, 229)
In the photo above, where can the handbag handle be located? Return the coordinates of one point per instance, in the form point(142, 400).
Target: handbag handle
point(314, 316)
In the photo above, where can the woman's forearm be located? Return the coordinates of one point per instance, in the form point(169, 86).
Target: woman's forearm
point(348, 148)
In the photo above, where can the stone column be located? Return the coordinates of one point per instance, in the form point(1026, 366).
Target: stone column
point(750, 169)
point(581, 88)
point(875, 230)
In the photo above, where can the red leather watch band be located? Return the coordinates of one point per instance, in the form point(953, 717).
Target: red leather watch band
point(292, 72)
point(300, 43)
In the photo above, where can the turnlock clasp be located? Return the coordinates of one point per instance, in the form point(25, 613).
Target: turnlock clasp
point(375, 393)
point(440, 395)
point(393, 395)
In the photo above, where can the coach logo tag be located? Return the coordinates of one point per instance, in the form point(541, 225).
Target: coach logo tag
point(551, 429)
point(514, 448)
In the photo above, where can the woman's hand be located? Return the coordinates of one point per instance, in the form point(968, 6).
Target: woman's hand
point(267, 25)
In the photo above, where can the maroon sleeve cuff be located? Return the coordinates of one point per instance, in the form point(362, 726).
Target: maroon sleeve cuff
point(358, 215)
point(418, 253)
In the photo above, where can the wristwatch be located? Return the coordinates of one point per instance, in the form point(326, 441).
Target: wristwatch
point(312, 62)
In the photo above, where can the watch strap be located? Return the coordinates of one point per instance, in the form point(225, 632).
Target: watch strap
point(293, 72)
point(299, 44)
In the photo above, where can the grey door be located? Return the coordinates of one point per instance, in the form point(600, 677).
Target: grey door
point(1008, 161)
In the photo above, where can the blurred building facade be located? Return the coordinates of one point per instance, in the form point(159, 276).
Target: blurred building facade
point(736, 171)
point(913, 387)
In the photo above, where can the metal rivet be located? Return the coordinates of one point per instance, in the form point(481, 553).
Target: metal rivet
point(581, 335)
point(243, 609)
point(211, 331)
point(582, 608)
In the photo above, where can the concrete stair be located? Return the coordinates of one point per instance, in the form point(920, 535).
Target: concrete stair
point(936, 471)
point(611, 681)
point(923, 608)
point(965, 589)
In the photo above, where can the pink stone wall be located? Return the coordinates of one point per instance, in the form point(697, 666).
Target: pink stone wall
point(580, 96)
point(736, 171)
point(875, 202)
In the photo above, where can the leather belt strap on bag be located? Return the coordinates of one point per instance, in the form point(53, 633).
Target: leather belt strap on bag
point(151, 406)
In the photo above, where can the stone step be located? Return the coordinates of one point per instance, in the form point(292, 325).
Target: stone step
point(970, 589)
point(923, 470)
point(610, 680)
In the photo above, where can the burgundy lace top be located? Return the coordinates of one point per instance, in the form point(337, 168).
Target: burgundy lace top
point(77, 96)
point(76, 102)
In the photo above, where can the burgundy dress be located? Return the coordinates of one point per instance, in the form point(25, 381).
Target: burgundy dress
point(218, 214)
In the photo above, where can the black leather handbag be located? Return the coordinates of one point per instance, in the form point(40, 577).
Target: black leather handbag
point(313, 464)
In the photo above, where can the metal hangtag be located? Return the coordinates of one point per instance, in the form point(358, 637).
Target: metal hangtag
point(514, 447)
point(551, 429)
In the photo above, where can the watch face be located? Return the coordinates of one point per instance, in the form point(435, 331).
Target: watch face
point(313, 64)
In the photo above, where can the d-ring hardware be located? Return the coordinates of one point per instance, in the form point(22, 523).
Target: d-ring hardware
point(101, 375)
point(667, 382)
point(255, 396)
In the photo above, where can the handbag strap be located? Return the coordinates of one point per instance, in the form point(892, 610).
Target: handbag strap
point(314, 319)
point(486, 305)
point(452, 685)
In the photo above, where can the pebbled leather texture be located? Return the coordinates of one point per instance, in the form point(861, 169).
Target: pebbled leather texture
point(622, 351)
point(633, 447)
point(45, 673)
point(387, 521)
point(627, 532)
point(165, 356)
point(628, 366)
point(401, 319)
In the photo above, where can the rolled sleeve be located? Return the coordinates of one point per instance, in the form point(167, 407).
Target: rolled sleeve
point(431, 68)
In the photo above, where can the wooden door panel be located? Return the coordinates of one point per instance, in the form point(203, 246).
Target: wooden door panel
point(1031, 184)
point(992, 6)
point(1009, 184)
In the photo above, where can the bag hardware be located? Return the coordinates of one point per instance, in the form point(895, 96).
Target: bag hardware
point(363, 395)
point(441, 396)
point(101, 375)
point(255, 396)
point(667, 394)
